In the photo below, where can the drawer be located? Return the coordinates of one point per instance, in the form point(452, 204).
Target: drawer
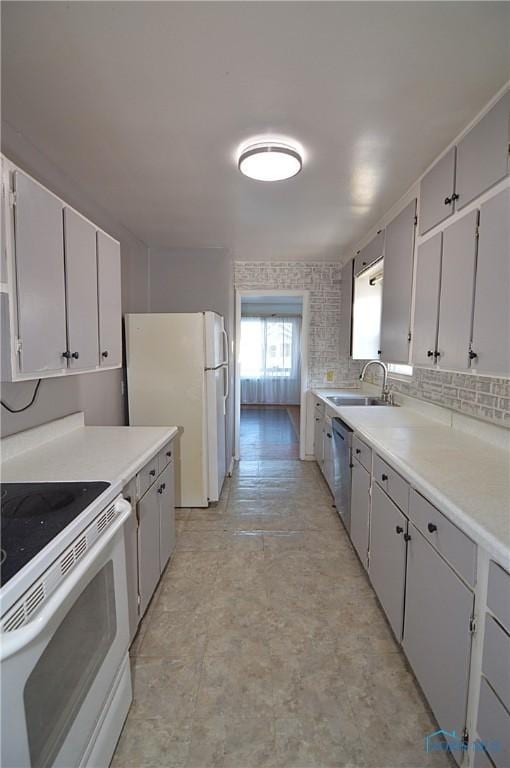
point(450, 541)
point(498, 596)
point(147, 475)
point(165, 456)
point(494, 726)
point(496, 659)
point(362, 452)
point(394, 485)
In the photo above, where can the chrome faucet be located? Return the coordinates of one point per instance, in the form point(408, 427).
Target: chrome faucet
point(385, 394)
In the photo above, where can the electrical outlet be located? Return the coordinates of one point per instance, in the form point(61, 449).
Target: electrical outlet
point(330, 376)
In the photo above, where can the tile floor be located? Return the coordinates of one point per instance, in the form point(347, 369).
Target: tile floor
point(269, 432)
point(264, 645)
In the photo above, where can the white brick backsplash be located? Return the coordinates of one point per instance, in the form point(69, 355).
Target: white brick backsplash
point(483, 397)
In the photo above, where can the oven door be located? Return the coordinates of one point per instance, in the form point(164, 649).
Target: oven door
point(59, 668)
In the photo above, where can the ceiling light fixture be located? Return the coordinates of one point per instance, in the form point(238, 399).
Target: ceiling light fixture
point(270, 161)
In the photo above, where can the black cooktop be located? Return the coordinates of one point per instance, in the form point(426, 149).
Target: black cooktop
point(34, 513)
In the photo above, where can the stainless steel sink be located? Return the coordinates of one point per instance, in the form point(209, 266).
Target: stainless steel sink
point(356, 400)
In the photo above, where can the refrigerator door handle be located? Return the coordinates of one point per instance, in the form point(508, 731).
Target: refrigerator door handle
point(225, 342)
point(225, 388)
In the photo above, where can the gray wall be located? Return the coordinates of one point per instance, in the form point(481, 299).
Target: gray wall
point(99, 395)
point(194, 280)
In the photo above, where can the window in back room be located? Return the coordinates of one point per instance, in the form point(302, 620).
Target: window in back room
point(366, 313)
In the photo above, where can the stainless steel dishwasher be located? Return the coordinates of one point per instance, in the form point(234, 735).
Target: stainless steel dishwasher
point(342, 440)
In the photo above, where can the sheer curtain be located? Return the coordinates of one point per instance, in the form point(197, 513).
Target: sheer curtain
point(270, 360)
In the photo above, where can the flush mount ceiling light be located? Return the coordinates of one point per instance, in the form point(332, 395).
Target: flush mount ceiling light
point(270, 161)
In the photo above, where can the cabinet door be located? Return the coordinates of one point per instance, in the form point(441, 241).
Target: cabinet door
point(436, 189)
point(482, 155)
point(426, 300)
point(491, 323)
point(397, 286)
point(360, 510)
point(165, 484)
point(346, 309)
point(457, 286)
point(81, 291)
point(131, 551)
point(437, 640)
point(318, 439)
point(388, 557)
point(41, 307)
point(148, 545)
point(370, 253)
point(110, 309)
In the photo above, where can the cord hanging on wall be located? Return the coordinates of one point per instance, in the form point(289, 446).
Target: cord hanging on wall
point(25, 407)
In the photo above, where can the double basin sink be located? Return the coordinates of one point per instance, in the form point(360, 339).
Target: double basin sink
point(356, 400)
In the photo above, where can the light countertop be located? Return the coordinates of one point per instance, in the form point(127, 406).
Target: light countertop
point(467, 478)
point(80, 453)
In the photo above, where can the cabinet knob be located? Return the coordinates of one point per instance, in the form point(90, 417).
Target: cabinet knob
point(472, 355)
point(105, 353)
point(161, 487)
point(407, 537)
point(152, 472)
point(351, 465)
point(317, 418)
point(358, 450)
point(448, 201)
point(430, 353)
point(169, 453)
point(329, 434)
point(432, 527)
point(384, 478)
point(75, 355)
point(399, 529)
point(66, 354)
point(437, 354)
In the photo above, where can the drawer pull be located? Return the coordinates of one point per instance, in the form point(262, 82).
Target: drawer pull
point(152, 473)
point(384, 477)
point(432, 527)
point(399, 529)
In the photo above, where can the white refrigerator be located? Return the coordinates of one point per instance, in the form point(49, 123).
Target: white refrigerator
point(177, 373)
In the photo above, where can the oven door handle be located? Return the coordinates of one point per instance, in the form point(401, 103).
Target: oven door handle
point(12, 642)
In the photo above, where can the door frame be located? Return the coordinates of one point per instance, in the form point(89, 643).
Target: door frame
point(305, 331)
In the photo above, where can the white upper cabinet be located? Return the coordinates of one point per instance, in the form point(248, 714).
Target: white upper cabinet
point(397, 286)
point(426, 301)
point(457, 288)
point(437, 190)
point(482, 155)
point(40, 289)
point(81, 291)
point(490, 347)
point(370, 253)
point(61, 285)
point(110, 311)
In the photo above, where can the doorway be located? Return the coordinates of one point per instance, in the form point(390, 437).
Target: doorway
point(271, 374)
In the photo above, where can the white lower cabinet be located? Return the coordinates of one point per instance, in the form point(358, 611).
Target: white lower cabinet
point(166, 516)
point(328, 463)
point(388, 532)
point(148, 546)
point(318, 439)
point(437, 637)
point(494, 726)
point(360, 510)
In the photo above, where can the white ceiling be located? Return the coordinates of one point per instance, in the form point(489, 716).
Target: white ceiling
point(145, 103)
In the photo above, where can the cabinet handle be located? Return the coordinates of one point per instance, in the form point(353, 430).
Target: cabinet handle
point(437, 354)
point(317, 418)
point(472, 354)
point(169, 453)
point(358, 450)
point(161, 488)
point(152, 472)
point(399, 529)
point(75, 355)
point(448, 201)
point(66, 354)
point(430, 353)
point(105, 353)
point(407, 537)
point(384, 478)
point(432, 527)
